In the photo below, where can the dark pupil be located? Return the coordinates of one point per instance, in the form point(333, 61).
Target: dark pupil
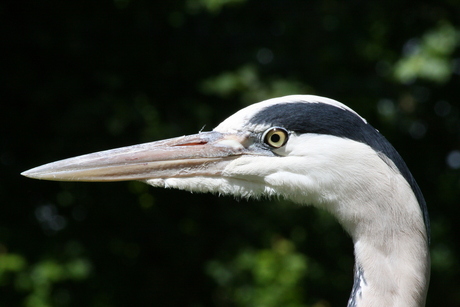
point(275, 138)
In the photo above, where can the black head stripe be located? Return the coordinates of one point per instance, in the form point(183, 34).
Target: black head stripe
point(321, 118)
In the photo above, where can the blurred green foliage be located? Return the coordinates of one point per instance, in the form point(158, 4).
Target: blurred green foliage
point(83, 76)
point(246, 83)
point(40, 281)
point(430, 57)
point(274, 276)
point(212, 6)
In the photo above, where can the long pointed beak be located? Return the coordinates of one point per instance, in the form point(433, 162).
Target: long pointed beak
point(202, 154)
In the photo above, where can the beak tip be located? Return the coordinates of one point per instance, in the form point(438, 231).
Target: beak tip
point(30, 174)
point(34, 173)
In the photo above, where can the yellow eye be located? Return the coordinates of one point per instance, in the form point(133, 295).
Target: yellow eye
point(275, 137)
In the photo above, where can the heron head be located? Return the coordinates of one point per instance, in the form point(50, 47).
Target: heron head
point(309, 149)
point(242, 156)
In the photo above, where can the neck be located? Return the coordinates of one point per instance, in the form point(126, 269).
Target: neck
point(392, 272)
point(392, 257)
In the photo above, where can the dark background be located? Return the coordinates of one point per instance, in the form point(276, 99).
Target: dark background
point(83, 76)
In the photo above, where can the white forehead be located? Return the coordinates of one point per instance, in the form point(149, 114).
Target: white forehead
point(243, 116)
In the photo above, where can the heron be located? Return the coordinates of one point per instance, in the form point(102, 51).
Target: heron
point(311, 150)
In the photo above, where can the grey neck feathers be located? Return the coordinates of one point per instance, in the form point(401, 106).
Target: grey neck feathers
point(358, 284)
